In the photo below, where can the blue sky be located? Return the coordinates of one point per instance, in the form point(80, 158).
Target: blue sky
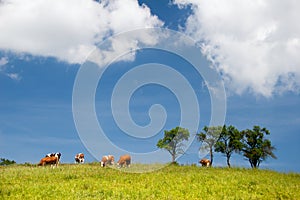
point(253, 45)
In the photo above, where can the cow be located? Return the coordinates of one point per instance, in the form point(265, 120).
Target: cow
point(107, 160)
point(79, 158)
point(204, 162)
point(53, 161)
point(57, 155)
point(124, 160)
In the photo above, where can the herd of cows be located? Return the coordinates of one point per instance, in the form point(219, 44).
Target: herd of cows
point(125, 160)
point(54, 158)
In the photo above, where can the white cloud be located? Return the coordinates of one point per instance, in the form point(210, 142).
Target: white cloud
point(67, 29)
point(14, 76)
point(4, 68)
point(254, 43)
point(122, 46)
point(3, 62)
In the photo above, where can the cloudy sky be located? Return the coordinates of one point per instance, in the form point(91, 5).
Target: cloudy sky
point(254, 46)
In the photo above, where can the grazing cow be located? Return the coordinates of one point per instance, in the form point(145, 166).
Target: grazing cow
point(53, 161)
point(124, 160)
point(205, 162)
point(57, 155)
point(79, 158)
point(107, 160)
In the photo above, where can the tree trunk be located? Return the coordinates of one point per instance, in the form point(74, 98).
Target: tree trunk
point(228, 160)
point(254, 163)
point(173, 155)
point(173, 158)
point(211, 157)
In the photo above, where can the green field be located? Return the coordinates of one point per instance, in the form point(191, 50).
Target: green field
point(90, 181)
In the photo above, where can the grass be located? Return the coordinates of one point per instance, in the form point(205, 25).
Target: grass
point(90, 181)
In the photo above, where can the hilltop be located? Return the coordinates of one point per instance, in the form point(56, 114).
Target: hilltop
point(90, 181)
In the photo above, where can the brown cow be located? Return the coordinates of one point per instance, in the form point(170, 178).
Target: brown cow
point(107, 160)
point(205, 162)
point(79, 158)
point(53, 161)
point(124, 160)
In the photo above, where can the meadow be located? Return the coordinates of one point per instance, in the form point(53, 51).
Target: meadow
point(90, 181)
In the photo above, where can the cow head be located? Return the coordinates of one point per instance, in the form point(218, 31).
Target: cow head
point(102, 164)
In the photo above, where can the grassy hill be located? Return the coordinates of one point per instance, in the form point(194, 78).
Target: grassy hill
point(90, 181)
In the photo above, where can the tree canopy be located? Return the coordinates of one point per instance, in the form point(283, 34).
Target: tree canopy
point(229, 142)
point(173, 141)
point(255, 147)
point(4, 161)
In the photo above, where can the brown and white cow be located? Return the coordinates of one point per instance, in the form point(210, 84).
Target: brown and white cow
point(53, 161)
point(51, 158)
point(107, 160)
point(124, 160)
point(79, 158)
point(205, 162)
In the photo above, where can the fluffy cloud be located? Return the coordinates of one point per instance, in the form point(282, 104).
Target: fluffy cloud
point(255, 44)
point(67, 29)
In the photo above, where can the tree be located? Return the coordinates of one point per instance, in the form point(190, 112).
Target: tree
point(4, 161)
point(229, 142)
point(173, 141)
point(209, 138)
point(255, 147)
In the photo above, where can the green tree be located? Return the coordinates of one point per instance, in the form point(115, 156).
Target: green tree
point(255, 147)
point(4, 161)
point(229, 142)
point(209, 137)
point(173, 141)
